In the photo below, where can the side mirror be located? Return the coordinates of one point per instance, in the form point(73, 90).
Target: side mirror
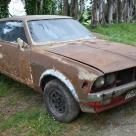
point(22, 45)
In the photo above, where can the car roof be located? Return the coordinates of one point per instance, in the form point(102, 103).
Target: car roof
point(35, 17)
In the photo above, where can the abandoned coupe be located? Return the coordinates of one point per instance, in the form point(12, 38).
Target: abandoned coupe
point(61, 59)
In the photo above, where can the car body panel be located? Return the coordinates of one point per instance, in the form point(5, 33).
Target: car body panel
point(16, 63)
point(42, 61)
point(105, 56)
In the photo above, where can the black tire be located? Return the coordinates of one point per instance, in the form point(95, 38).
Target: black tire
point(59, 102)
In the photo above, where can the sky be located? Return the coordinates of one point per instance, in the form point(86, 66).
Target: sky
point(16, 7)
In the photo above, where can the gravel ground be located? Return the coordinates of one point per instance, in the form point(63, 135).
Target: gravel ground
point(120, 121)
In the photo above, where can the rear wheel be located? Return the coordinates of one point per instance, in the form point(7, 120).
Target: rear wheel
point(59, 102)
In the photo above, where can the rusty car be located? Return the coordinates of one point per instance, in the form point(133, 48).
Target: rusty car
point(73, 70)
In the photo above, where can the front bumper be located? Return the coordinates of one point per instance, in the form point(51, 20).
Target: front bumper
point(105, 97)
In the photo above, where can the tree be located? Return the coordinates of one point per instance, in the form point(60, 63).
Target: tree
point(74, 8)
point(4, 8)
point(65, 7)
point(113, 11)
point(40, 7)
point(98, 14)
point(110, 11)
point(100, 11)
point(81, 7)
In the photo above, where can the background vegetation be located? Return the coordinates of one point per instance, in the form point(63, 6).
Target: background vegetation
point(94, 11)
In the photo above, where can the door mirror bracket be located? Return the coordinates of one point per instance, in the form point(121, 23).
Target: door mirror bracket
point(22, 45)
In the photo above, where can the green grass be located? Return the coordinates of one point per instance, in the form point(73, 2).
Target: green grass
point(124, 33)
point(34, 121)
point(22, 112)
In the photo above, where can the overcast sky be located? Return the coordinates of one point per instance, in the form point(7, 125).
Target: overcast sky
point(16, 7)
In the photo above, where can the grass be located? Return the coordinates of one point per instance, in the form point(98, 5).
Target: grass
point(124, 33)
point(21, 112)
point(35, 122)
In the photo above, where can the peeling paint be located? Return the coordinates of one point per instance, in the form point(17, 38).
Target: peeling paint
point(60, 60)
point(85, 75)
point(1, 56)
point(62, 78)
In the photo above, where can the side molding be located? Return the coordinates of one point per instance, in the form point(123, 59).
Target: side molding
point(62, 78)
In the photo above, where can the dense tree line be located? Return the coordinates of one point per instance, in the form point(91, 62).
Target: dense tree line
point(98, 11)
point(40, 7)
point(64, 7)
point(110, 11)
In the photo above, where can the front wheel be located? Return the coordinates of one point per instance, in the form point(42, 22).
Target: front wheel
point(59, 102)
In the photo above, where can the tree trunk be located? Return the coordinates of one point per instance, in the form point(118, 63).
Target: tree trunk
point(74, 8)
point(65, 7)
point(98, 14)
point(119, 10)
point(110, 11)
point(101, 12)
point(41, 6)
point(95, 13)
point(116, 14)
point(130, 11)
point(81, 6)
point(81, 9)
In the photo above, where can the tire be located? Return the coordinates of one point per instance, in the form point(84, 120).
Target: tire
point(59, 102)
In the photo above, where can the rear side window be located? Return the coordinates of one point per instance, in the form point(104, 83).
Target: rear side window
point(11, 30)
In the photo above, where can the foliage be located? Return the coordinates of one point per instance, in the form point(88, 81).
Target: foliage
point(35, 7)
point(4, 8)
point(96, 12)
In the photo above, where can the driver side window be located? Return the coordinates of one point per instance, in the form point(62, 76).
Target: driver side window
point(11, 30)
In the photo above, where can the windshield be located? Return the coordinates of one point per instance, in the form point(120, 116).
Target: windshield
point(56, 30)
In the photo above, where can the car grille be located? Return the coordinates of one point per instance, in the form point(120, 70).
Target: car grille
point(126, 76)
point(122, 77)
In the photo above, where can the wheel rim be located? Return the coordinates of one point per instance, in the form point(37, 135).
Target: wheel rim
point(57, 102)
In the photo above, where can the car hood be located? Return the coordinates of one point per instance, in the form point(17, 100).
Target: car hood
point(101, 54)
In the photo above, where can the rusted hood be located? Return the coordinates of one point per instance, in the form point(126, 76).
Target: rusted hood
point(103, 55)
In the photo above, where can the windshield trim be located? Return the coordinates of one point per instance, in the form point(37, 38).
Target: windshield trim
point(49, 43)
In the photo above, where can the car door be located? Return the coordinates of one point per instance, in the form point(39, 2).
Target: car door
point(15, 62)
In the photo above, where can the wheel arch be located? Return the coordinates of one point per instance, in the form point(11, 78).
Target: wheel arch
point(51, 74)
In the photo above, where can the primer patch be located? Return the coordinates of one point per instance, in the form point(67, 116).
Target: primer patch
point(1, 56)
point(85, 75)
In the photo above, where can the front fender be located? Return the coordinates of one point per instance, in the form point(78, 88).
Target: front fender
point(57, 74)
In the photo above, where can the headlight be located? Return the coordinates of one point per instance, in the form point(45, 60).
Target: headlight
point(110, 79)
point(99, 82)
